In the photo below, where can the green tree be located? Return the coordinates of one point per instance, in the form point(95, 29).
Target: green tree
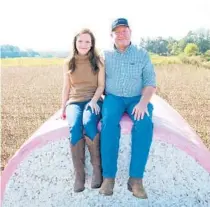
point(11, 51)
point(158, 45)
point(191, 49)
point(203, 40)
point(207, 55)
point(201, 37)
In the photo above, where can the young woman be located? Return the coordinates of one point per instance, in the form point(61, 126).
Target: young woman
point(83, 86)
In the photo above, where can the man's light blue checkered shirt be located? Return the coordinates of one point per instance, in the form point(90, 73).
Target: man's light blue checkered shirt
point(129, 72)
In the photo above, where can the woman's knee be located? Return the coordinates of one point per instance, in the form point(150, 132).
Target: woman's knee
point(91, 127)
point(74, 118)
point(75, 132)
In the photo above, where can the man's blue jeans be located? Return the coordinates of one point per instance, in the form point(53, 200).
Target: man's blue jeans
point(81, 119)
point(142, 133)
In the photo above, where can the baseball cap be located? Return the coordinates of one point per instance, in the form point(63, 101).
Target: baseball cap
point(120, 22)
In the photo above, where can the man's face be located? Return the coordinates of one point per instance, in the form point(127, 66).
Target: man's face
point(121, 36)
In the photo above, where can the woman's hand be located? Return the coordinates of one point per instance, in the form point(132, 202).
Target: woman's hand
point(63, 114)
point(94, 107)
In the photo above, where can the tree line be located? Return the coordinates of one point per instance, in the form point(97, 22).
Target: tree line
point(11, 51)
point(194, 43)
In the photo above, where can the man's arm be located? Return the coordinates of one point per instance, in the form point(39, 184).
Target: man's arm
point(149, 88)
point(147, 94)
point(149, 79)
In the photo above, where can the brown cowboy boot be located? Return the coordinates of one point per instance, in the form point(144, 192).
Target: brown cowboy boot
point(107, 186)
point(95, 159)
point(78, 158)
point(136, 186)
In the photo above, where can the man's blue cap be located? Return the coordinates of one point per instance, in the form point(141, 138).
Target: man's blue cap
point(120, 22)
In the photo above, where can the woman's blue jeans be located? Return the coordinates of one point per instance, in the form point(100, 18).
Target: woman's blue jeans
point(82, 121)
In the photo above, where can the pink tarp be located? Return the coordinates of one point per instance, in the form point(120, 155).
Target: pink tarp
point(169, 126)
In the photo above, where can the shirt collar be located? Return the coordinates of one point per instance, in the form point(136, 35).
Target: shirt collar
point(126, 50)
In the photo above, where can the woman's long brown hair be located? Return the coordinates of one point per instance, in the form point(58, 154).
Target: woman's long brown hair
point(93, 54)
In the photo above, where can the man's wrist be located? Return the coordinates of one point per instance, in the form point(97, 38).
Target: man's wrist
point(143, 101)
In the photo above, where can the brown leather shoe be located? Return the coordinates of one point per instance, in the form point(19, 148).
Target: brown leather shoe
point(78, 158)
point(107, 186)
point(95, 159)
point(136, 186)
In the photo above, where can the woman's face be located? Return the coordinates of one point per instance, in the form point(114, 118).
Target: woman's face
point(83, 44)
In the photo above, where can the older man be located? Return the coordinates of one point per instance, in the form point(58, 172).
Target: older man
point(130, 84)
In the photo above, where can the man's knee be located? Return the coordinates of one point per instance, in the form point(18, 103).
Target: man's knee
point(142, 132)
point(144, 124)
point(112, 110)
point(110, 119)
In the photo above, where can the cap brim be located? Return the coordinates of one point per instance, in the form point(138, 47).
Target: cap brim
point(120, 25)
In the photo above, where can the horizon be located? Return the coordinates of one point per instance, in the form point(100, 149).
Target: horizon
point(67, 50)
point(47, 26)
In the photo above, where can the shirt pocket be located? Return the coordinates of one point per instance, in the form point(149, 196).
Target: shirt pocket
point(133, 70)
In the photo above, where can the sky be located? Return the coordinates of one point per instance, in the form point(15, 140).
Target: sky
point(51, 24)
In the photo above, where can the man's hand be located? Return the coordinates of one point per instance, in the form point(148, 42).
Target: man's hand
point(94, 107)
point(139, 111)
